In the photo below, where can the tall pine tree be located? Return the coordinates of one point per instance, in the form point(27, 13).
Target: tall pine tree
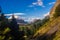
point(13, 23)
point(3, 20)
point(3, 24)
point(15, 33)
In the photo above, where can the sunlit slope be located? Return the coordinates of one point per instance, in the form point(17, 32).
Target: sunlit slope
point(46, 28)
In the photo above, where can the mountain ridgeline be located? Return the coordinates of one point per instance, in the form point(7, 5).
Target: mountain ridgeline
point(51, 29)
point(55, 11)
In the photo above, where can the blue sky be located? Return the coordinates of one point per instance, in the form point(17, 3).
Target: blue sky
point(29, 8)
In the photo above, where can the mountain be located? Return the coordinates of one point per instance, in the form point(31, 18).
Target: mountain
point(18, 19)
point(51, 29)
point(21, 21)
point(53, 8)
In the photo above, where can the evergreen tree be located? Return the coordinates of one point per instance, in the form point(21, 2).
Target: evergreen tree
point(46, 19)
point(3, 24)
point(15, 33)
point(3, 20)
point(13, 23)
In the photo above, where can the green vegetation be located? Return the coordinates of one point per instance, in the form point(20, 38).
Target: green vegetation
point(57, 11)
point(50, 27)
point(47, 27)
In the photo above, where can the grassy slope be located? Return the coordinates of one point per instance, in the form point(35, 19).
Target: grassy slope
point(45, 28)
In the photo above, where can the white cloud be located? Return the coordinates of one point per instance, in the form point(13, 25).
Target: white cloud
point(51, 3)
point(20, 14)
point(34, 3)
point(40, 3)
point(14, 16)
point(37, 3)
point(46, 14)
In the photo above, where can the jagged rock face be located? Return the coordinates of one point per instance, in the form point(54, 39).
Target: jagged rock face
point(53, 8)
